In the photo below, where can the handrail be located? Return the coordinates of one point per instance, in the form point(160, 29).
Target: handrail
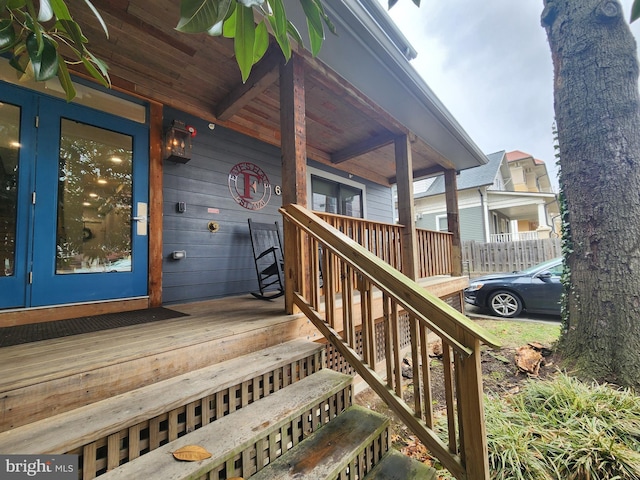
point(414, 297)
point(343, 260)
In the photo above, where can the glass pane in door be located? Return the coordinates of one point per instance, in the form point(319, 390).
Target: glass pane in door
point(94, 200)
point(9, 154)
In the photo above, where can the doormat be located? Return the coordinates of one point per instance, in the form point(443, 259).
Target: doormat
point(35, 332)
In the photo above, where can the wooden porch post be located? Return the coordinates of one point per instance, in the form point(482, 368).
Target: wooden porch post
point(453, 220)
point(471, 408)
point(406, 217)
point(155, 206)
point(406, 212)
point(294, 168)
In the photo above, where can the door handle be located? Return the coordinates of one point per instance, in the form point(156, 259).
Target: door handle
point(141, 218)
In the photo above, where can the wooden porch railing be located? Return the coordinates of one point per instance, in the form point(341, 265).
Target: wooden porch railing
point(385, 241)
point(434, 253)
point(378, 284)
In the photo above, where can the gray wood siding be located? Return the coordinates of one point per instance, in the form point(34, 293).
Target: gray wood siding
point(471, 224)
point(221, 264)
point(217, 264)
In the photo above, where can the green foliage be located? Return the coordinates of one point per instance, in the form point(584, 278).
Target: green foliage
point(564, 429)
point(635, 10)
point(566, 240)
point(235, 19)
point(34, 39)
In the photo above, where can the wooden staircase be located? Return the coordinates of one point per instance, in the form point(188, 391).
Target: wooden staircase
point(273, 413)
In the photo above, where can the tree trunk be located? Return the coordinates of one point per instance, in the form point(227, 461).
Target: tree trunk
point(598, 121)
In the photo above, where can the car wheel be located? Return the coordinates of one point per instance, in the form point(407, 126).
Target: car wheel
point(505, 304)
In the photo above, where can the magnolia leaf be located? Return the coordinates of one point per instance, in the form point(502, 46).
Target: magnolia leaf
point(44, 60)
point(191, 453)
point(15, 4)
point(315, 39)
point(7, 35)
point(46, 12)
point(293, 31)
point(72, 29)
point(60, 10)
point(392, 3)
point(198, 16)
point(278, 18)
point(65, 80)
point(325, 17)
point(244, 40)
point(20, 61)
point(99, 17)
point(416, 3)
point(229, 25)
point(261, 42)
point(94, 72)
point(314, 17)
point(279, 25)
point(635, 10)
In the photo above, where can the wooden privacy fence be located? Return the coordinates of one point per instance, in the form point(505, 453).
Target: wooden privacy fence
point(371, 289)
point(480, 258)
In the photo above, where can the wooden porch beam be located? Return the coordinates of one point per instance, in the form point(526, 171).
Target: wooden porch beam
point(453, 220)
point(421, 173)
point(294, 171)
point(264, 74)
point(360, 148)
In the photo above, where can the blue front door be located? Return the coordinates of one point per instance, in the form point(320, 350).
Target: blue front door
point(73, 206)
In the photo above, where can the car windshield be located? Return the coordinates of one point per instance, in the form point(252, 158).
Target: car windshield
point(541, 266)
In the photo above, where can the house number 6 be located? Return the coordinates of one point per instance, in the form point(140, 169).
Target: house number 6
point(277, 190)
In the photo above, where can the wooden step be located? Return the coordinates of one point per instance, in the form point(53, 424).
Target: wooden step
point(396, 466)
point(42, 379)
point(244, 441)
point(352, 443)
point(145, 418)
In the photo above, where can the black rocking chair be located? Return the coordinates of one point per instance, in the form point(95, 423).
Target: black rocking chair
point(267, 256)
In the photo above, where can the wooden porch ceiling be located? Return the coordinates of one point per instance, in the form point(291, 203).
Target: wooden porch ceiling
point(198, 74)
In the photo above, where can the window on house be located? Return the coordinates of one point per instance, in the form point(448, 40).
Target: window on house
point(335, 197)
point(442, 223)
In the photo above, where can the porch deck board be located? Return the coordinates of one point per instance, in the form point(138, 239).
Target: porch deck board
point(46, 378)
point(54, 358)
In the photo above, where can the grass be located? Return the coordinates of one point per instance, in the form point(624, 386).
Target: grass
point(515, 334)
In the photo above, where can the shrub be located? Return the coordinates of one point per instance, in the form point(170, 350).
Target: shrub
point(564, 429)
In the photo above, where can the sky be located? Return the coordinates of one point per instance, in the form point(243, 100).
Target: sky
point(490, 64)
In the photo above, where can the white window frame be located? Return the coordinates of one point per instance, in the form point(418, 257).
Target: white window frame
point(438, 218)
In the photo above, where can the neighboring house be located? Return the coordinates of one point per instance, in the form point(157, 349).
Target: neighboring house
point(508, 199)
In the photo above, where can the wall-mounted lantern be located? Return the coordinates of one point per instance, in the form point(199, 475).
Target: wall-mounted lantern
point(177, 142)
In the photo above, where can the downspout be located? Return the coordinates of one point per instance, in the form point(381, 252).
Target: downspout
point(485, 216)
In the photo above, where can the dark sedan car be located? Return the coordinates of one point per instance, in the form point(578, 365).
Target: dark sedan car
point(536, 290)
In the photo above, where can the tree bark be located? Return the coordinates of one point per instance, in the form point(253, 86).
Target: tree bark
point(598, 120)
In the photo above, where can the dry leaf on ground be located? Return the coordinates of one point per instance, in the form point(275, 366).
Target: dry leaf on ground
point(191, 453)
